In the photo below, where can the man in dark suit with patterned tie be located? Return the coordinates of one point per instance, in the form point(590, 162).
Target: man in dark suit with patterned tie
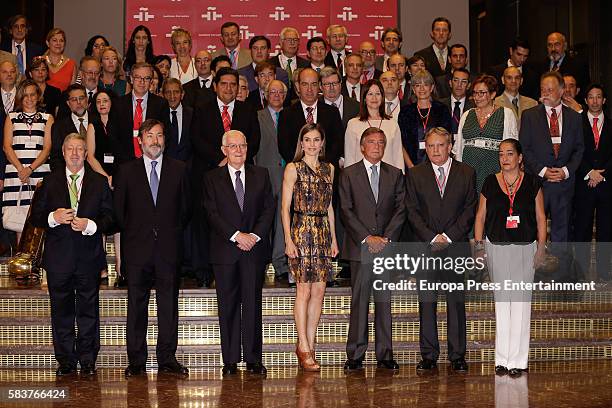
point(75, 207)
point(593, 199)
point(458, 101)
point(373, 211)
point(240, 206)
point(436, 55)
point(152, 207)
point(337, 37)
point(553, 145)
point(441, 202)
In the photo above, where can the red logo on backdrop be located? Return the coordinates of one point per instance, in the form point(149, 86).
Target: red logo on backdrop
point(364, 19)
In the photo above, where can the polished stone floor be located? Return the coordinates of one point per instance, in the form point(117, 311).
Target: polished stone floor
point(548, 384)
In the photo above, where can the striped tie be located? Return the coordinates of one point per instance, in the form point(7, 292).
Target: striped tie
point(227, 121)
point(239, 191)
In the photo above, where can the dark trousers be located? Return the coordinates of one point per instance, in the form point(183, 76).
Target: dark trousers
point(239, 288)
point(593, 205)
point(357, 342)
point(163, 276)
point(74, 295)
point(558, 199)
point(455, 316)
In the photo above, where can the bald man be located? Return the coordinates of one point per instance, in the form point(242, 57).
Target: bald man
point(368, 55)
point(199, 90)
point(558, 59)
point(510, 98)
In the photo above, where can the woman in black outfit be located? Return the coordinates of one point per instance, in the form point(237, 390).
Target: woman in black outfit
point(39, 72)
point(511, 227)
point(416, 119)
point(140, 48)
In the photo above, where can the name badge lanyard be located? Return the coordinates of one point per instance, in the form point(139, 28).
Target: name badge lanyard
point(443, 183)
point(511, 197)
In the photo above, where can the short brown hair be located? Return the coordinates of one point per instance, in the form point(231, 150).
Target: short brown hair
point(148, 125)
point(488, 80)
point(371, 131)
point(554, 74)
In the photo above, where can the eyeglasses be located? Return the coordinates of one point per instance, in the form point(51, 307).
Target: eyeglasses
point(276, 92)
point(234, 146)
point(480, 93)
point(94, 73)
point(330, 84)
point(366, 52)
point(291, 40)
point(141, 79)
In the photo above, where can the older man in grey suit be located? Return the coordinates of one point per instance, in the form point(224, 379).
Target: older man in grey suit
point(269, 157)
point(373, 210)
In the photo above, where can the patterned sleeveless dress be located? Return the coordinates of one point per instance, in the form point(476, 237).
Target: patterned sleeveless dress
point(481, 150)
point(310, 230)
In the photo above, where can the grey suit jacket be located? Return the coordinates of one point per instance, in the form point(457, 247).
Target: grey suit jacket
point(244, 56)
point(362, 215)
point(524, 103)
point(268, 155)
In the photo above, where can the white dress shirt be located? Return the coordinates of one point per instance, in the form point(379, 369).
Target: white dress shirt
point(206, 84)
point(77, 122)
point(91, 227)
point(314, 112)
point(395, 107)
point(179, 118)
point(342, 55)
point(600, 122)
point(447, 167)
point(232, 174)
point(349, 88)
point(282, 59)
point(339, 104)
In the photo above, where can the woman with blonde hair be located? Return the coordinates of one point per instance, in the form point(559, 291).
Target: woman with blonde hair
point(182, 66)
point(310, 237)
point(110, 78)
point(62, 70)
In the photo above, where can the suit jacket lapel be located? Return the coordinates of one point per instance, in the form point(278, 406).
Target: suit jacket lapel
point(545, 129)
point(83, 198)
point(144, 181)
point(383, 182)
point(185, 125)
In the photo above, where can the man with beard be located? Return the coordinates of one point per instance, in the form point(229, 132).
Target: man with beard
point(152, 206)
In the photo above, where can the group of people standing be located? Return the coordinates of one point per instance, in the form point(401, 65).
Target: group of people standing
point(236, 160)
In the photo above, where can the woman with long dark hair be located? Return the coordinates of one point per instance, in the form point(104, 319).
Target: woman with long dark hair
point(140, 48)
point(310, 238)
point(38, 71)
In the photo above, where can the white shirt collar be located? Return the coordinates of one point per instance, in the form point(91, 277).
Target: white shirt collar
point(510, 97)
point(446, 166)
point(453, 100)
point(232, 172)
point(394, 101)
point(12, 91)
point(558, 108)
point(304, 106)
point(369, 165)
point(147, 163)
point(179, 109)
point(600, 118)
point(81, 173)
point(338, 101)
point(222, 104)
point(85, 117)
point(144, 98)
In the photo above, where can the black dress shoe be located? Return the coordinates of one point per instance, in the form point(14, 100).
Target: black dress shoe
point(426, 364)
point(121, 282)
point(353, 365)
point(88, 369)
point(134, 370)
point(65, 369)
point(459, 365)
point(174, 367)
point(516, 372)
point(332, 283)
point(501, 370)
point(256, 368)
point(229, 369)
point(388, 364)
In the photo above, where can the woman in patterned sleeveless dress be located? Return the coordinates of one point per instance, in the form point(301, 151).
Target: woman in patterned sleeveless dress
point(27, 143)
point(482, 129)
point(310, 238)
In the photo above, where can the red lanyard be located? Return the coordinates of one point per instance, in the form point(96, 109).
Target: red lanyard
point(512, 196)
point(441, 186)
point(424, 119)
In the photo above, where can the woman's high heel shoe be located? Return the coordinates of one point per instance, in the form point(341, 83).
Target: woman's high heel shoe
point(303, 357)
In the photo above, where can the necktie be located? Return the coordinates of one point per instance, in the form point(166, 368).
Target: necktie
point(364, 78)
point(154, 183)
point(339, 65)
point(74, 193)
point(239, 191)
point(90, 97)
point(318, 70)
point(276, 115)
point(555, 66)
point(374, 182)
point(137, 122)
point(8, 102)
point(174, 128)
point(441, 60)
point(233, 58)
point(309, 116)
point(289, 71)
point(554, 131)
point(456, 117)
point(353, 93)
point(20, 59)
point(515, 104)
point(227, 121)
point(400, 93)
point(389, 111)
point(82, 130)
point(441, 180)
point(596, 132)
